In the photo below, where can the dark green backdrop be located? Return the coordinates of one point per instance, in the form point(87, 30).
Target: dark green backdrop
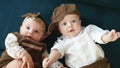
point(103, 13)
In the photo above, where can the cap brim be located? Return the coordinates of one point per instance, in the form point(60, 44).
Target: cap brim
point(52, 27)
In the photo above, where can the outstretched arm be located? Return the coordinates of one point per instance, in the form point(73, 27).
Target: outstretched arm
point(111, 36)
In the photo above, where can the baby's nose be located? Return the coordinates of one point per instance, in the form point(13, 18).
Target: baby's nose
point(30, 32)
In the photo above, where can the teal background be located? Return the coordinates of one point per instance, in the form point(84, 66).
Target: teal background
point(103, 13)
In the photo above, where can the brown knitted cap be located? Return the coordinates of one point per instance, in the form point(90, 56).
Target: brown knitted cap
point(60, 12)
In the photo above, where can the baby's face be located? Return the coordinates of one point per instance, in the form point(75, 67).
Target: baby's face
point(32, 30)
point(70, 26)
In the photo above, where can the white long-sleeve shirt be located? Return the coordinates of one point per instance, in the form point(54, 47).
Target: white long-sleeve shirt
point(81, 50)
point(12, 46)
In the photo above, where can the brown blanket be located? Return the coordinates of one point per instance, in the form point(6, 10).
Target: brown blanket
point(103, 63)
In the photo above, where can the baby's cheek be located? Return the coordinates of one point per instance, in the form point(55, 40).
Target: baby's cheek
point(78, 25)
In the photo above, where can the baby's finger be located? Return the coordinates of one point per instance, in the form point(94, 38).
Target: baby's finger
point(23, 64)
point(30, 65)
point(45, 63)
point(112, 32)
point(118, 34)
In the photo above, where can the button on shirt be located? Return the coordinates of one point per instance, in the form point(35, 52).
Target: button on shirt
point(81, 50)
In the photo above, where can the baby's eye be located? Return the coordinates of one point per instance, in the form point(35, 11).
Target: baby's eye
point(36, 31)
point(64, 23)
point(74, 21)
point(28, 27)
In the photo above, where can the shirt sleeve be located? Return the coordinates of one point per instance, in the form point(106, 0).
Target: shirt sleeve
point(96, 33)
point(12, 46)
point(59, 46)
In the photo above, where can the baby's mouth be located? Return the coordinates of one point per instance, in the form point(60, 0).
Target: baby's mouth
point(28, 37)
point(71, 30)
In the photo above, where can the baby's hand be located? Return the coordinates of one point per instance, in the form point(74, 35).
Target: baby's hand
point(45, 63)
point(27, 60)
point(111, 36)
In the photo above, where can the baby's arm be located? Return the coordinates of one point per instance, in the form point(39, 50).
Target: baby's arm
point(12, 46)
point(110, 36)
point(53, 57)
point(15, 51)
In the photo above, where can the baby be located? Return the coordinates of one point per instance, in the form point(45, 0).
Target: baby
point(78, 43)
point(25, 49)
